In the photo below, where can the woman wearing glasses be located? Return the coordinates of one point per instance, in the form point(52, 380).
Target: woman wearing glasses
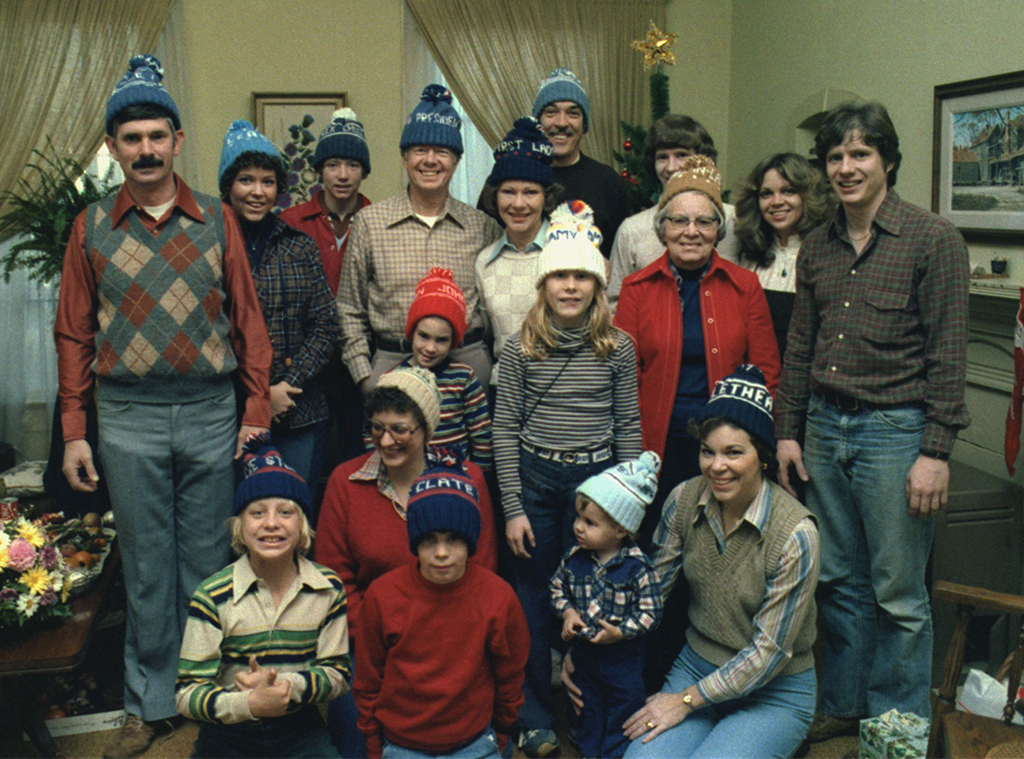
point(362, 533)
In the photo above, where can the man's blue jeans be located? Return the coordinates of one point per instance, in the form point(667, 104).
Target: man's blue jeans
point(871, 588)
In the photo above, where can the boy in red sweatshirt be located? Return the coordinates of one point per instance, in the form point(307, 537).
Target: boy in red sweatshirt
point(442, 643)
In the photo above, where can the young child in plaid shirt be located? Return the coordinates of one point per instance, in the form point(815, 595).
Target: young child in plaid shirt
point(609, 597)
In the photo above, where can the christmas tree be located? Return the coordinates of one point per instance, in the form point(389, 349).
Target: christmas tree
point(644, 187)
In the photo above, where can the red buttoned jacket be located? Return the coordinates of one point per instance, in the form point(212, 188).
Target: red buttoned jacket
point(737, 329)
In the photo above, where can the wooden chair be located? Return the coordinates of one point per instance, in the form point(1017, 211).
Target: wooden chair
point(959, 734)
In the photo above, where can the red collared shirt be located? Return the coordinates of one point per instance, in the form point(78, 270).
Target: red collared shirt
point(313, 218)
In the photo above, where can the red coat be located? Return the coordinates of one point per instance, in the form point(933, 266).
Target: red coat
point(737, 329)
point(310, 217)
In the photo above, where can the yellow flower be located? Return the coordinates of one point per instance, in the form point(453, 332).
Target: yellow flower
point(65, 592)
point(36, 579)
point(3, 557)
point(31, 533)
point(5, 539)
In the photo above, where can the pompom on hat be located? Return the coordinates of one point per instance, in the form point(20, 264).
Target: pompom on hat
point(524, 154)
point(625, 490)
point(562, 84)
point(444, 499)
point(343, 138)
point(438, 295)
point(743, 398)
point(434, 121)
point(268, 476)
point(140, 84)
point(695, 172)
point(573, 243)
point(421, 387)
point(243, 137)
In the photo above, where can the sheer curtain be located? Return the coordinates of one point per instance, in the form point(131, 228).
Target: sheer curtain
point(495, 52)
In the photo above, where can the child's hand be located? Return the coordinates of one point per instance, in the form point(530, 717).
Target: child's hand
point(270, 698)
point(572, 624)
point(607, 634)
point(252, 678)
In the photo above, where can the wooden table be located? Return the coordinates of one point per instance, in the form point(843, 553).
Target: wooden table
point(50, 651)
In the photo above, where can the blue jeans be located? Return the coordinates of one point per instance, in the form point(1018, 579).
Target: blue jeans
point(294, 735)
point(771, 721)
point(299, 449)
point(871, 587)
point(170, 473)
point(611, 678)
point(549, 500)
point(484, 745)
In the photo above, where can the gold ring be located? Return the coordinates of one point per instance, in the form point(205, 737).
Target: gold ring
point(650, 725)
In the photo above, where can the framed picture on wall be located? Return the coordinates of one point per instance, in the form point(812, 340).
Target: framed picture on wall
point(292, 121)
point(978, 156)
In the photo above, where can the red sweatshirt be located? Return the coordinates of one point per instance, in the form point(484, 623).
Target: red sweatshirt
point(437, 664)
point(360, 534)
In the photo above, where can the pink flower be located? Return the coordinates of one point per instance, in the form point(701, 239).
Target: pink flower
point(48, 598)
point(21, 555)
point(48, 555)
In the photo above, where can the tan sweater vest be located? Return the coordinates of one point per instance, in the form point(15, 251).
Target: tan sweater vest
point(728, 589)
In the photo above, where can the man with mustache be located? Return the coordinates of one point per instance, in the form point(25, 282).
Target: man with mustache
point(157, 311)
point(563, 109)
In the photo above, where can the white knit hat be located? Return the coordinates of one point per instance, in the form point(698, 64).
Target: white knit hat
point(573, 243)
point(420, 385)
point(625, 490)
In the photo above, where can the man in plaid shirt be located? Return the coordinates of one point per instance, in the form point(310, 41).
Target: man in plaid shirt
point(873, 382)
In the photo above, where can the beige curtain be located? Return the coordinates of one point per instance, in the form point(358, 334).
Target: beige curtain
point(495, 52)
point(59, 62)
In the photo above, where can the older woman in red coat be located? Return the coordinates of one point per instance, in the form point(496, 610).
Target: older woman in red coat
point(694, 318)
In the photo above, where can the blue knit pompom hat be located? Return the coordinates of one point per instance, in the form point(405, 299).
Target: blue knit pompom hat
point(444, 499)
point(268, 476)
point(744, 400)
point(343, 138)
point(243, 137)
point(562, 84)
point(434, 121)
point(524, 154)
point(625, 490)
point(141, 84)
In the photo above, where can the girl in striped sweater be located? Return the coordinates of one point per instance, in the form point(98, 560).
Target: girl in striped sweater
point(566, 409)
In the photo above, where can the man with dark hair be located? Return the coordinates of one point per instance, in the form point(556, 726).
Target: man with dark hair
point(157, 310)
point(873, 383)
point(670, 139)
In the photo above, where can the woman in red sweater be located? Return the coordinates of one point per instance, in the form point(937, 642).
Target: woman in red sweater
point(361, 532)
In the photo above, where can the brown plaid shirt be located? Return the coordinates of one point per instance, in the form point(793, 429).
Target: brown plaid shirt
point(389, 252)
point(886, 326)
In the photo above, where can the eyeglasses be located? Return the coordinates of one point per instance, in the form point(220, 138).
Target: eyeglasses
point(399, 432)
point(703, 223)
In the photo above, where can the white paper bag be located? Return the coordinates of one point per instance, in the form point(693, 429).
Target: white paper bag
point(982, 694)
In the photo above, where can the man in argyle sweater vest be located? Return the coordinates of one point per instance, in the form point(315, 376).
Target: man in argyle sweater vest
point(157, 310)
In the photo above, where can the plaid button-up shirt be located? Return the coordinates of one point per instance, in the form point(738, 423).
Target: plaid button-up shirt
point(624, 591)
point(888, 325)
point(390, 250)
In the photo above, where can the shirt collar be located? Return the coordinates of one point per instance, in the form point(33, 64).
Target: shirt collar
point(244, 578)
point(503, 244)
point(888, 216)
point(756, 514)
point(369, 471)
point(183, 199)
point(316, 206)
point(452, 209)
point(628, 550)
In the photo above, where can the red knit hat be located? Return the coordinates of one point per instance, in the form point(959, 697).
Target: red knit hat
point(438, 295)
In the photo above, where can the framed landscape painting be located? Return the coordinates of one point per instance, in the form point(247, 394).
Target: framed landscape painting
point(978, 156)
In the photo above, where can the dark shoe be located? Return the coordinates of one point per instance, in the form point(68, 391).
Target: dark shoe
point(826, 726)
point(537, 744)
point(135, 736)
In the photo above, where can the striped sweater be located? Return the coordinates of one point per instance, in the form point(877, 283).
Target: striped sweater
point(232, 615)
point(570, 401)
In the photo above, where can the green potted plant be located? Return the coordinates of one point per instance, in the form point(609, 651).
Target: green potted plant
point(42, 216)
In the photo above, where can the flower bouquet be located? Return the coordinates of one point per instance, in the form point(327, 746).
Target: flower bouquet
point(34, 585)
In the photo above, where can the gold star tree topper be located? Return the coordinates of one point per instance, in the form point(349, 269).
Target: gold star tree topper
point(656, 47)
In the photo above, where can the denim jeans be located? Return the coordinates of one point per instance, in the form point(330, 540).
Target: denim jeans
point(611, 678)
point(549, 500)
point(771, 721)
point(294, 735)
point(871, 588)
point(170, 473)
point(484, 746)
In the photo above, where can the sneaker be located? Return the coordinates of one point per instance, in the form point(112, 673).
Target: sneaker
point(135, 736)
point(826, 726)
point(537, 743)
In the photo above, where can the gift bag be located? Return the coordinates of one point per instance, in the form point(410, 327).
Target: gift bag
point(983, 695)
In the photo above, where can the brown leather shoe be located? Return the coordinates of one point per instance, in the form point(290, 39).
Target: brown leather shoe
point(826, 726)
point(135, 736)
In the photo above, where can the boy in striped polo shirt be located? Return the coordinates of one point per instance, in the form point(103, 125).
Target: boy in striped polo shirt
point(435, 326)
point(266, 637)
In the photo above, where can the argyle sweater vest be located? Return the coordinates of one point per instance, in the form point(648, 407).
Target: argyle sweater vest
point(727, 589)
point(163, 334)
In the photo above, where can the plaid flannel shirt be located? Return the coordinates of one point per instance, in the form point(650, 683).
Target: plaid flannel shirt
point(301, 318)
point(624, 591)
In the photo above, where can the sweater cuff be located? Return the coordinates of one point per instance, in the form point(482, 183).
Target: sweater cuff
point(938, 438)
